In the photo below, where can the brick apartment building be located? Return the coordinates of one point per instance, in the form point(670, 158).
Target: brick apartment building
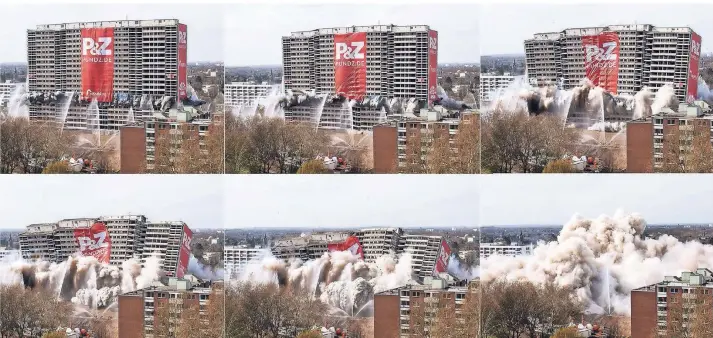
point(672, 304)
point(649, 141)
point(140, 311)
point(406, 143)
point(412, 310)
point(138, 142)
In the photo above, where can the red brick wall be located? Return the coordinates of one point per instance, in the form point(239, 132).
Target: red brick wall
point(386, 316)
point(640, 147)
point(643, 314)
point(131, 316)
point(385, 149)
point(132, 150)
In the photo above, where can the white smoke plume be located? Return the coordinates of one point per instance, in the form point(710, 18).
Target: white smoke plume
point(704, 91)
point(82, 280)
point(591, 103)
point(601, 260)
point(462, 271)
point(339, 279)
point(204, 272)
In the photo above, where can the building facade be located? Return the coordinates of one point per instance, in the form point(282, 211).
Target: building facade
point(6, 89)
point(240, 95)
point(131, 237)
point(489, 85)
point(138, 149)
point(405, 145)
point(672, 305)
point(397, 60)
point(489, 249)
point(649, 56)
point(669, 139)
point(235, 258)
point(147, 62)
point(141, 312)
point(414, 310)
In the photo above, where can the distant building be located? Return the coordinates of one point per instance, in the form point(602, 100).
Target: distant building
point(235, 258)
point(240, 95)
point(404, 144)
point(489, 85)
point(132, 237)
point(670, 304)
point(649, 140)
point(649, 56)
point(6, 89)
point(138, 309)
point(413, 309)
point(4, 252)
point(500, 249)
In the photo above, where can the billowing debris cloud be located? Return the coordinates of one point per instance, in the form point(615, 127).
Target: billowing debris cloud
point(601, 260)
point(82, 280)
point(339, 279)
point(591, 104)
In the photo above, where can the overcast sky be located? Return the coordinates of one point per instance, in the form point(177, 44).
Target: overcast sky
point(204, 23)
point(315, 201)
point(194, 199)
point(254, 32)
point(507, 26)
point(553, 199)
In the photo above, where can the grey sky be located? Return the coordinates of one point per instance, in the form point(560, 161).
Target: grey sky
point(315, 201)
point(553, 199)
point(194, 199)
point(204, 23)
point(253, 32)
point(506, 26)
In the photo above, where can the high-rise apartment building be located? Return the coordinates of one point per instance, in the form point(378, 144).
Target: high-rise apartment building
point(429, 254)
point(639, 56)
point(418, 310)
point(382, 60)
point(379, 241)
point(667, 307)
point(669, 139)
point(129, 237)
point(125, 66)
point(157, 311)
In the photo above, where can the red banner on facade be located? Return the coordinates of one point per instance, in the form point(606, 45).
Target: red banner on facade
point(94, 242)
point(693, 71)
point(350, 65)
point(182, 60)
point(444, 254)
point(184, 255)
point(97, 64)
point(601, 60)
point(432, 66)
point(351, 244)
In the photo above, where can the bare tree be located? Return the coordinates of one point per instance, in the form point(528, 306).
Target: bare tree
point(26, 312)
